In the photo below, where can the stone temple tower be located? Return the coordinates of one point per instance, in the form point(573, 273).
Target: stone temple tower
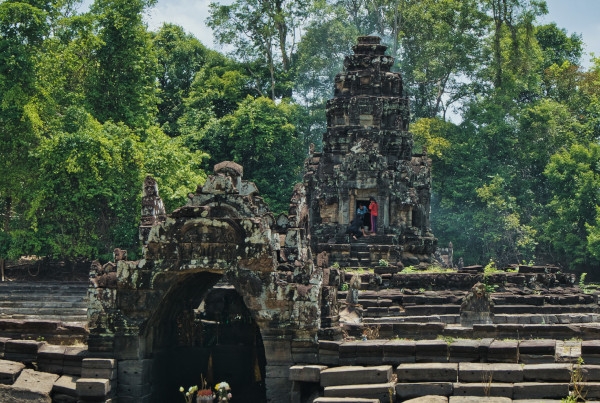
point(367, 152)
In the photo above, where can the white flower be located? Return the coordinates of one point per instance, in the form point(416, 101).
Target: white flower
point(181, 389)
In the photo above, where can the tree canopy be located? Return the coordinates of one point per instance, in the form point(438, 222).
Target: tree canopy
point(91, 102)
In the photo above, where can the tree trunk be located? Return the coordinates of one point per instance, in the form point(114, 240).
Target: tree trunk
point(7, 218)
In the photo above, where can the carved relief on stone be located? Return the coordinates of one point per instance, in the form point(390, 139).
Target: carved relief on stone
point(329, 212)
point(209, 243)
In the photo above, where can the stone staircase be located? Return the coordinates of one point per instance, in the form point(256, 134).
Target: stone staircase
point(410, 345)
point(52, 311)
point(55, 300)
point(451, 382)
point(406, 311)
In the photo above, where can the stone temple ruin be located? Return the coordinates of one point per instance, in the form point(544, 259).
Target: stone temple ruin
point(226, 290)
point(367, 153)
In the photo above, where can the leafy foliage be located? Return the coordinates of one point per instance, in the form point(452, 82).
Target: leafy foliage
point(261, 136)
point(92, 102)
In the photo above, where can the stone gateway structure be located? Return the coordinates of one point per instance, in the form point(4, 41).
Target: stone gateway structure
point(146, 317)
point(226, 290)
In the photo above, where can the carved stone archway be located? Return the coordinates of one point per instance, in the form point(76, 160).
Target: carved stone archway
point(227, 232)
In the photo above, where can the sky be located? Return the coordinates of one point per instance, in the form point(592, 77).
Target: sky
point(576, 16)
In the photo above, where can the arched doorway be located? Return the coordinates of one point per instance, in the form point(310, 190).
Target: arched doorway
point(203, 328)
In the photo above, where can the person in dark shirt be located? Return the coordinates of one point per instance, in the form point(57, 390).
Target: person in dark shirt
point(356, 229)
point(361, 211)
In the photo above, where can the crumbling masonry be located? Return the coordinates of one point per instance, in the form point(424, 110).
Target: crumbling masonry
point(280, 266)
point(367, 152)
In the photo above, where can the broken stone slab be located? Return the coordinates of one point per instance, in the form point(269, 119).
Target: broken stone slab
point(383, 392)
point(485, 372)
point(35, 381)
point(464, 350)
point(503, 351)
point(66, 385)
point(427, 372)
point(344, 400)
point(537, 351)
point(398, 351)
point(567, 351)
point(431, 351)
point(412, 390)
point(428, 399)
point(93, 388)
point(547, 372)
point(542, 390)
point(306, 373)
point(12, 394)
point(51, 358)
point(22, 350)
point(591, 373)
point(483, 389)
point(352, 375)
point(10, 371)
point(479, 399)
point(591, 390)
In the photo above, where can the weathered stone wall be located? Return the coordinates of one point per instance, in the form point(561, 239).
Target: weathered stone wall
point(225, 231)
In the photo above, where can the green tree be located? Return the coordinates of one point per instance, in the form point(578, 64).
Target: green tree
point(505, 239)
point(440, 43)
point(217, 89)
point(180, 57)
point(177, 170)
point(23, 26)
point(262, 137)
point(263, 35)
point(122, 88)
point(88, 195)
point(574, 176)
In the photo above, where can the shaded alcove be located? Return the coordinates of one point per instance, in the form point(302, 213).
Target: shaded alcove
point(203, 327)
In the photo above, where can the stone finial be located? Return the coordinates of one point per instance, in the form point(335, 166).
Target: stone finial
point(229, 168)
point(119, 254)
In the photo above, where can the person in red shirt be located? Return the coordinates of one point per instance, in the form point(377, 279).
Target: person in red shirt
point(374, 210)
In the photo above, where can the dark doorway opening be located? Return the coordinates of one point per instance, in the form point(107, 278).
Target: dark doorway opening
point(367, 217)
point(213, 336)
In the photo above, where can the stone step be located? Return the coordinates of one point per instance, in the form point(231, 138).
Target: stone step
point(432, 299)
point(39, 311)
point(344, 400)
point(384, 392)
point(63, 318)
point(400, 316)
point(422, 310)
point(48, 303)
point(544, 310)
point(15, 286)
point(349, 375)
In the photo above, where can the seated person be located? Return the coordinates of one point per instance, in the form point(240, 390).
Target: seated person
point(356, 229)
